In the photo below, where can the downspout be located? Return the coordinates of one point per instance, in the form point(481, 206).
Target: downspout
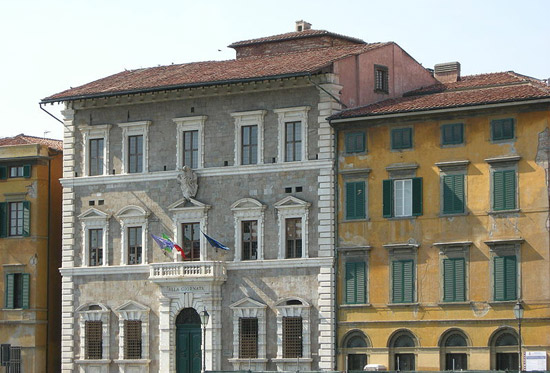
point(48, 311)
point(335, 263)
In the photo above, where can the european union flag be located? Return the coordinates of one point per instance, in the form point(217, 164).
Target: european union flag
point(214, 243)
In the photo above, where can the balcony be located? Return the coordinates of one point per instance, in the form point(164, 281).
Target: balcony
point(188, 272)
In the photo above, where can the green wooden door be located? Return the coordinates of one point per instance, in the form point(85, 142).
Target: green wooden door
point(188, 348)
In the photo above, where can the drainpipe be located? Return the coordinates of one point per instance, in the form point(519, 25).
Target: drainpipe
point(48, 310)
point(335, 263)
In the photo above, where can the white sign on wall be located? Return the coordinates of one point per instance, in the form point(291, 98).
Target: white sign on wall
point(535, 360)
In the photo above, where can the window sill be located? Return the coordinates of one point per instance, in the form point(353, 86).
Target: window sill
point(443, 146)
point(413, 304)
point(384, 91)
point(444, 304)
point(292, 360)
point(355, 220)
point(503, 212)
point(502, 302)
point(98, 361)
point(403, 217)
point(133, 361)
point(359, 305)
point(245, 360)
point(452, 215)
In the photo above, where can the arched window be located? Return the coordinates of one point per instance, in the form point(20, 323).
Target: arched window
point(355, 350)
point(454, 351)
point(504, 351)
point(402, 351)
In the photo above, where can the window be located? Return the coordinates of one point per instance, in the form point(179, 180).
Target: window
point(355, 200)
point(293, 141)
point(356, 283)
point(134, 245)
point(95, 150)
point(15, 362)
point(355, 142)
point(133, 323)
point(15, 219)
point(293, 238)
point(452, 134)
point(132, 339)
point(454, 351)
point(504, 190)
point(249, 224)
point(292, 337)
point(17, 290)
point(16, 171)
point(249, 137)
point(93, 320)
point(403, 281)
point(135, 154)
point(402, 348)
point(454, 280)
point(504, 350)
point(96, 157)
point(401, 138)
point(248, 338)
point(249, 335)
point(355, 348)
point(250, 240)
point(505, 277)
point(402, 198)
point(381, 83)
point(453, 194)
point(94, 236)
point(249, 145)
point(502, 129)
point(191, 148)
point(96, 247)
point(190, 145)
point(191, 243)
point(93, 340)
point(293, 330)
point(293, 227)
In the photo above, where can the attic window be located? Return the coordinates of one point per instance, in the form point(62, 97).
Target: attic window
point(381, 83)
point(300, 28)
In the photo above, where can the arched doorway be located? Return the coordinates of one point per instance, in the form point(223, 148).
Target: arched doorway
point(403, 347)
point(454, 350)
point(188, 341)
point(355, 350)
point(504, 350)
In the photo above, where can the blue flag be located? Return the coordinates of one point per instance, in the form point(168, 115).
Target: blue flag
point(214, 243)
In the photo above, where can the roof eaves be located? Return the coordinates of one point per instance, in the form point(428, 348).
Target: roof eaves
point(49, 100)
point(372, 116)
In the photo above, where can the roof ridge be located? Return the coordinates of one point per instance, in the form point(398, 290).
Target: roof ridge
point(291, 35)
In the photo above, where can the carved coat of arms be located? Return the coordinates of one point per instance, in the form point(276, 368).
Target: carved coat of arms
point(188, 182)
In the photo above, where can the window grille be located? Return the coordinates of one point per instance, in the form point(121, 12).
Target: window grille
point(14, 365)
point(292, 337)
point(248, 333)
point(132, 339)
point(93, 340)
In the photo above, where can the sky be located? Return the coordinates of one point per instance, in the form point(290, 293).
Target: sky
point(49, 46)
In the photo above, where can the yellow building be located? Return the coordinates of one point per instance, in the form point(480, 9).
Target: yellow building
point(443, 225)
point(30, 252)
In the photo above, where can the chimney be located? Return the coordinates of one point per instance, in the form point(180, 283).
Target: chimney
point(448, 72)
point(302, 26)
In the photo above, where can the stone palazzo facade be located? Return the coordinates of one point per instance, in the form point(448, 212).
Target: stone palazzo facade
point(240, 150)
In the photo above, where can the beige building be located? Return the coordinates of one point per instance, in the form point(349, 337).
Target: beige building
point(30, 252)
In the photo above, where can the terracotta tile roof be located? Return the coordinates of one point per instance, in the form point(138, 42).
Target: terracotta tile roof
point(293, 36)
point(469, 91)
point(213, 72)
point(22, 139)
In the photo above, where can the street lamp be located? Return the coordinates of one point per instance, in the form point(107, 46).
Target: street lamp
point(204, 320)
point(518, 313)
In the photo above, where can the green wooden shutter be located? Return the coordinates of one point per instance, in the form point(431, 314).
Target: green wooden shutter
point(417, 196)
point(27, 170)
point(355, 142)
point(3, 219)
point(408, 281)
point(454, 280)
point(498, 273)
point(397, 281)
point(26, 218)
point(355, 283)
point(453, 194)
point(10, 283)
point(504, 190)
point(3, 172)
point(355, 200)
point(25, 290)
point(387, 198)
point(510, 273)
point(509, 189)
